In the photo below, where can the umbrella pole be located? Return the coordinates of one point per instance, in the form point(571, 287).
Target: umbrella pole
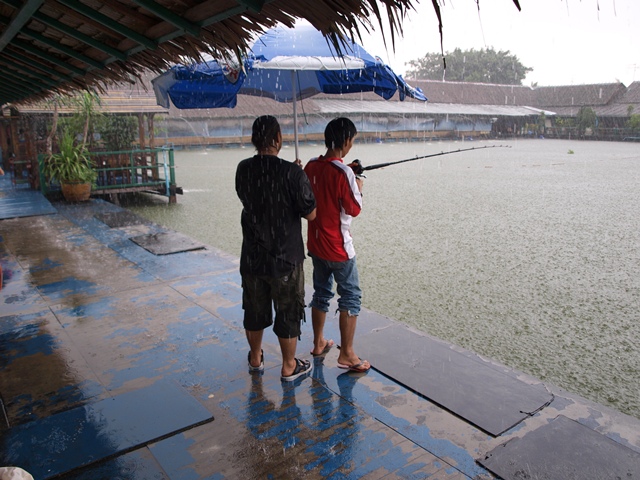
point(295, 113)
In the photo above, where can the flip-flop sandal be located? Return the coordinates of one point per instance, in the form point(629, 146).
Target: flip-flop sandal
point(260, 367)
point(328, 347)
point(358, 367)
point(302, 368)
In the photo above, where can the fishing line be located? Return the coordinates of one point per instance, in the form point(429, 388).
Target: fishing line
point(382, 165)
point(359, 169)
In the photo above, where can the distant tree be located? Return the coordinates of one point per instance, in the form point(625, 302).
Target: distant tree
point(586, 118)
point(480, 66)
point(86, 106)
point(564, 122)
point(634, 123)
point(118, 131)
point(542, 122)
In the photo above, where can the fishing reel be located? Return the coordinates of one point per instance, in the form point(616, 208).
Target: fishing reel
point(357, 168)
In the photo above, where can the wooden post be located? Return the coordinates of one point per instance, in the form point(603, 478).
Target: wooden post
point(13, 149)
point(4, 144)
point(31, 152)
point(141, 134)
point(14, 135)
point(152, 144)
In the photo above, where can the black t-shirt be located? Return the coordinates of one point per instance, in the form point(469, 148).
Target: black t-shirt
point(275, 195)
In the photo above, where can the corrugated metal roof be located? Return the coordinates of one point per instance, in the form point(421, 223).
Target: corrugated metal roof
point(344, 107)
point(631, 95)
point(475, 93)
point(540, 97)
point(356, 103)
point(578, 95)
point(137, 99)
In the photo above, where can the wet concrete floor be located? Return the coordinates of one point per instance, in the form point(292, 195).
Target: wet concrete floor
point(116, 362)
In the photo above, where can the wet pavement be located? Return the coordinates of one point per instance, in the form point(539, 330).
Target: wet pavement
point(118, 362)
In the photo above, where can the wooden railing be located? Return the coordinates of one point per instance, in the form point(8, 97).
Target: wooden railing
point(127, 171)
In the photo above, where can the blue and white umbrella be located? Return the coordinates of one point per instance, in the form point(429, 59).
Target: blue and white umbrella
point(287, 65)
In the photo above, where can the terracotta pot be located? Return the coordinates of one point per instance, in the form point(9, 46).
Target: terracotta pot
point(76, 192)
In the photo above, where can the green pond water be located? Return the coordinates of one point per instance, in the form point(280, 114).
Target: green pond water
point(529, 254)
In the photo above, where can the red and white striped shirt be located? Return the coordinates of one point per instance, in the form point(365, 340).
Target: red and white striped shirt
point(338, 200)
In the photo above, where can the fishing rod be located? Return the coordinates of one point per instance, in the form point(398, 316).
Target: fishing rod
point(359, 169)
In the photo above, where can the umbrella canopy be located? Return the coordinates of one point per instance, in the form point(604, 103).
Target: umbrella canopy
point(285, 64)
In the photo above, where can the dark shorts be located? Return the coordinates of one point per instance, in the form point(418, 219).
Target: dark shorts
point(285, 294)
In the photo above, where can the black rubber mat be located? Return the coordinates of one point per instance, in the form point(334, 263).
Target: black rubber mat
point(563, 449)
point(463, 384)
point(82, 436)
point(167, 243)
point(124, 218)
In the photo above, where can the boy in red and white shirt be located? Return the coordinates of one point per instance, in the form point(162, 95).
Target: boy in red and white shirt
point(338, 194)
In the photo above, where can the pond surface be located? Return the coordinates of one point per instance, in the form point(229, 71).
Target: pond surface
point(529, 254)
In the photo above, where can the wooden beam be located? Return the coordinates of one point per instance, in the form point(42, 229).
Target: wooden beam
point(62, 48)
point(243, 7)
point(23, 60)
point(74, 33)
point(167, 15)
point(255, 5)
point(110, 23)
point(19, 21)
point(27, 47)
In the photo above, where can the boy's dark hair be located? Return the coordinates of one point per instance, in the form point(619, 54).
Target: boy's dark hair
point(338, 131)
point(264, 133)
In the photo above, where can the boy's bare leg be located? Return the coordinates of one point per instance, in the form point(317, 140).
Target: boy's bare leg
point(318, 318)
point(347, 333)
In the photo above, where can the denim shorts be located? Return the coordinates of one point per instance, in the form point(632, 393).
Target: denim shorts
point(286, 294)
point(345, 275)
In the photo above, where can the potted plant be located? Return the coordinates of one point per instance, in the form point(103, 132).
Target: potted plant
point(73, 168)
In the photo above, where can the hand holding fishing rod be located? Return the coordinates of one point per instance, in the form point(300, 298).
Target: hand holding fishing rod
point(359, 169)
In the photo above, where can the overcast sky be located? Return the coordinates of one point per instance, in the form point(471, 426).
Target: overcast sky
point(566, 42)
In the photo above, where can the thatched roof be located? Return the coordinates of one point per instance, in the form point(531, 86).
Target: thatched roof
point(62, 46)
point(52, 47)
